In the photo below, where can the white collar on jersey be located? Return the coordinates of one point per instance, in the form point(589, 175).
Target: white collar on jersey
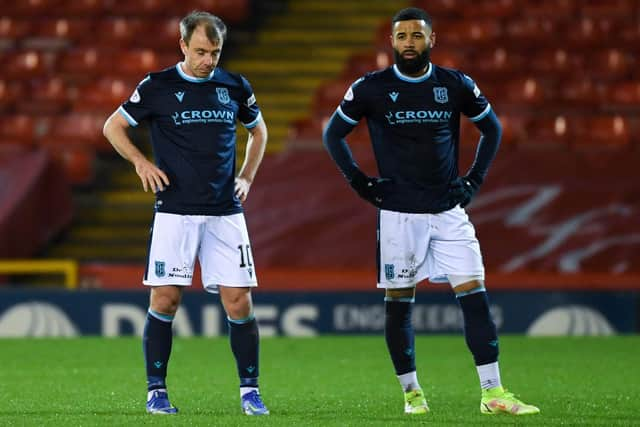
point(193, 79)
point(406, 78)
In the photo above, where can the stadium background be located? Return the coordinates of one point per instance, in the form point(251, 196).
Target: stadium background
point(557, 217)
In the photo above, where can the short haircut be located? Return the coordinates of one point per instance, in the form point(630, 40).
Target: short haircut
point(410, 14)
point(214, 27)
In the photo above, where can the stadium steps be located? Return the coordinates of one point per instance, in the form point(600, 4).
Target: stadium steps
point(302, 47)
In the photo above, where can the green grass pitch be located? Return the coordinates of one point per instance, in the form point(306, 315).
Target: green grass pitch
point(327, 381)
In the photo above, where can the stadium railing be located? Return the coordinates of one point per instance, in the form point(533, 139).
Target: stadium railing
point(68, 268)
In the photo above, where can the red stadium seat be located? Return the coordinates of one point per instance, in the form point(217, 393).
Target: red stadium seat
point(556, 62)
point(165, 35)
point(547, 132)
point(530, 30)
point(135, 63)
point(81, 8)
point(514, 128)
point(451, 58)
point(328, 97)
point(359, 64)
point(526, 91)
point(469, 32)
point(28, 64)
point(10, 92)
point(86, 64)
point(104, 95)
point(591, 32)
point(609, 8)
point(497, 64)
point(607, 131)
point(118, 32)
point(46, 96)
point(18, 128)
point(611, 64)
point(442, 8)
point(141, 8)
point(12, 30)
point(77, 161)
point(81, 129)
point(581, 92)
point(29, 8)
point(552, 9)
point(497, 9)
point(63, 30)
point(626, 93)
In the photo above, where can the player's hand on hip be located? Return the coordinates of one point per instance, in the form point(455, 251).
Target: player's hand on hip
point(242, 187)
point(371, 189)
point(462, 190)
point(152, 177)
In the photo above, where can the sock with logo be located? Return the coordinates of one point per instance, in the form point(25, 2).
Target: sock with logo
point(479, 330)
point(489, 375)
point(156, 344)
point(245, 340)
point(399, 335)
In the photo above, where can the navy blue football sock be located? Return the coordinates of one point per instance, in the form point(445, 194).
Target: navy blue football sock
point(399, 334)
point(156, 344)
point(479, 330)
point(245, 340)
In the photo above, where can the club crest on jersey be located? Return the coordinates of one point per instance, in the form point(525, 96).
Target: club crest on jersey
point(223, 95)
point(389, 271)
point(160, 270)
point(440, 95)
point(179, 95)
point(393, 96)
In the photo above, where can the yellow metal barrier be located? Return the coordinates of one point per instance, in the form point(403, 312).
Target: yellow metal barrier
point(66, 267)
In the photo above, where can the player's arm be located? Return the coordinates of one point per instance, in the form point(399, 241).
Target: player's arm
point(464, 188)
point(369, 188)
point(256, 144)
point(115, 130)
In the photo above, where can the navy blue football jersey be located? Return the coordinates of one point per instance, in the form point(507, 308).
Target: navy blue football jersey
point(193, 136)
point(414, 126)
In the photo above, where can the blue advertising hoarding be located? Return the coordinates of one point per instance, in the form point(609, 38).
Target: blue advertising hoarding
point(72, 313)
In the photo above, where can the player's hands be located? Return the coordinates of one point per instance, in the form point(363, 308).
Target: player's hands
point(242, 186)
point(371, 189)
point(462, 190)
point(152, 177)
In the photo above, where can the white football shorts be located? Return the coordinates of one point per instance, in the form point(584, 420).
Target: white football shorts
point(221, 244)
point(414, 247)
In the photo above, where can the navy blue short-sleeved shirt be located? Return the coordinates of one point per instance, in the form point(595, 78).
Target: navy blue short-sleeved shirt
point(193, 136)
point(414, 126)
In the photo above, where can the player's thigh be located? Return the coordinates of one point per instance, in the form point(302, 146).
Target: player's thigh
point(454, 248)
point(173, 249)
point(225, 253)
point(403, 240)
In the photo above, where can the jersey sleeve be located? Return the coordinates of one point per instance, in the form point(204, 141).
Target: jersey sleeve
point(353, 105)
point(474, 104)
point(138, 107)
point(249, 113)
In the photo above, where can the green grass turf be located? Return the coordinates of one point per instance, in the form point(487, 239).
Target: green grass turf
point(328, 381)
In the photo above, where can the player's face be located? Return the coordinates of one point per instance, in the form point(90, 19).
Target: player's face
point(412, 42)
point(200, 55)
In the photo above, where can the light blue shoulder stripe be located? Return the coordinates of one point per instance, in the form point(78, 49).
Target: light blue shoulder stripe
point(481, 115)
point(253, 123)
point(346, 118)
point(128, 116)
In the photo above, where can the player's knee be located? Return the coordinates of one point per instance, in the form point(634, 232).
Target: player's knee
point(236, 302)
point(165, 300)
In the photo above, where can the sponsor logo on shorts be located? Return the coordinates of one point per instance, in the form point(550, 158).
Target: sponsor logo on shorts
point(160, 269)
point(389, 271)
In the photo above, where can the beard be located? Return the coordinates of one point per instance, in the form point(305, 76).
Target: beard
point(413, 65)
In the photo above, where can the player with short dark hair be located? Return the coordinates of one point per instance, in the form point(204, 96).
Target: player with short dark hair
point(192, 109)
point(413, 114)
